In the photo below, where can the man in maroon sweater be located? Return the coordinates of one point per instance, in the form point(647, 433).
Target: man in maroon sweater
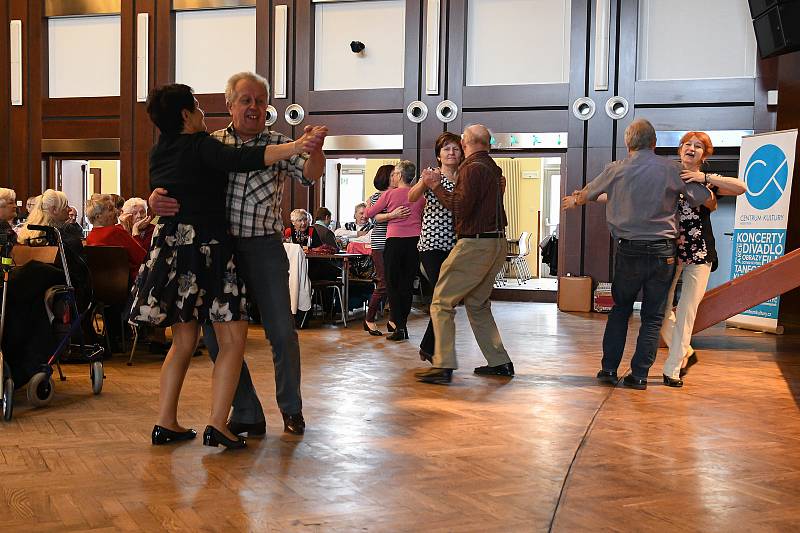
point(468, 273)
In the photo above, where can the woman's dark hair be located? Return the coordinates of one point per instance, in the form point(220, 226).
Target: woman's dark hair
point(119, 201)
point(382, 176)
point(443, 139)
point(322, 213)
point(165, 103)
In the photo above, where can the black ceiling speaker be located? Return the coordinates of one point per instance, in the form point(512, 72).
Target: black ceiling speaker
point(777, 26)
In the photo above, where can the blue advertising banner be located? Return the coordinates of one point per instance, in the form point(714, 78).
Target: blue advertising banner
point(759, 234)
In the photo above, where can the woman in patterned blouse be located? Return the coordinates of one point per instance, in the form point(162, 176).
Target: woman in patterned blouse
point(697, 256)
point(437, 237)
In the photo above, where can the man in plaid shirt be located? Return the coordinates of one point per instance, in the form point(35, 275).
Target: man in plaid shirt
point(254, 217)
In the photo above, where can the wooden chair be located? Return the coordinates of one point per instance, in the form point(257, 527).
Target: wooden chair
point(108, 266)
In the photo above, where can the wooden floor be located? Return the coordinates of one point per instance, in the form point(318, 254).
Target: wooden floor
point(385, 453)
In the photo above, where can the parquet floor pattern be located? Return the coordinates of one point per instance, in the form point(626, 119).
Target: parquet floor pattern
point(385, 453)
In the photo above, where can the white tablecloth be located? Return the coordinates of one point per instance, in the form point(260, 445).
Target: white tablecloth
point(299, 284)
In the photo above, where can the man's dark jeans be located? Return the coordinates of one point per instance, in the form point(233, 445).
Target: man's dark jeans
point(648, 266)
point(262, 263)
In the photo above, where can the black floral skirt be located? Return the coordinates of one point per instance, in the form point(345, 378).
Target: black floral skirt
point(190, 275)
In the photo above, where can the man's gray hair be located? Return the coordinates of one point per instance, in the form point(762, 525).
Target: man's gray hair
point(479, 134)
point(640, 135)
point(230, 93)
point(407, 170)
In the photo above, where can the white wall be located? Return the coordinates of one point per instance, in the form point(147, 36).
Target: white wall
point(687, 39)
point(379, 24)
point(84, 56)
point(212, 45)
point(515, 42)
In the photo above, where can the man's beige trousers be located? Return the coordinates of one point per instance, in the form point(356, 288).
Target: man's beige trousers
point(468, 274)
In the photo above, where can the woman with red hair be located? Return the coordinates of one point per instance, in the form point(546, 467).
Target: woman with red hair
point(697, 256)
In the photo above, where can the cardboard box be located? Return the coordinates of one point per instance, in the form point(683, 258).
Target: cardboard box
point(575, 293)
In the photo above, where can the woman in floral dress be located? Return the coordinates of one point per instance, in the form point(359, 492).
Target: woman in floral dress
point(190, 275)
point(697, 256)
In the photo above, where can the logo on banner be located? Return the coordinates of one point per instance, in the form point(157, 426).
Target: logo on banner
point(766, 176)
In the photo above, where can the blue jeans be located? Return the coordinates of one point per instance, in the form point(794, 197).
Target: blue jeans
point(639, 265)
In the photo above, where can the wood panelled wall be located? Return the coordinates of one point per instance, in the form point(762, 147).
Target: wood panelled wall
point(105, 117)
point(789, 118)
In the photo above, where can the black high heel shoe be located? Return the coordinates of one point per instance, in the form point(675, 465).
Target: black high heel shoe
point(671, 382)
point(162, 435)
point(389, 327)
point(400, 334)
point(690, 362)
point(214, 437)
point(373, 332)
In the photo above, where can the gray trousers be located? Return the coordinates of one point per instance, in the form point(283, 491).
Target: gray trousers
point(262, 263)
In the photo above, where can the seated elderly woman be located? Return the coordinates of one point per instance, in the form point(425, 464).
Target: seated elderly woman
point(137, 222)
point(118, 202)
point(51, 209)
point(301, 232)
point(102, 215)
point(8, 211)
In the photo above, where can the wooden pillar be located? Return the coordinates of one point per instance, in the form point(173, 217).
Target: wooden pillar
point(789, 118)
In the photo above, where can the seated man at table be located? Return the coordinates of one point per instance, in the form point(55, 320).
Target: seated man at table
point(359, 228)
point(322, 222)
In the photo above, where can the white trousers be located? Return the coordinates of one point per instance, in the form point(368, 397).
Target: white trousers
point(677, 327)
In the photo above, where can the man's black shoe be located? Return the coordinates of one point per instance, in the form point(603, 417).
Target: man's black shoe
point(294, 424)
point(256, 429)
point(439, 376)
point(506, 369)
point(608, 376)
point(634, 383)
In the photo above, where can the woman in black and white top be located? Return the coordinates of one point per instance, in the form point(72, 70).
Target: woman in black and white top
point(697, 255)
point(438, 236)
point(378, 243)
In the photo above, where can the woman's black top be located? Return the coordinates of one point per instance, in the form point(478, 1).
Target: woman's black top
point(7, 234)
point(194, 170)
point(696, 244)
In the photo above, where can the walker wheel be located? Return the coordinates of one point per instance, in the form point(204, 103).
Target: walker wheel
point(40, 389)
point(8, 399)
point(97, 375)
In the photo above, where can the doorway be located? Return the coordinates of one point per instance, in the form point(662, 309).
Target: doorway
point(80, 178)
point(532, 202)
